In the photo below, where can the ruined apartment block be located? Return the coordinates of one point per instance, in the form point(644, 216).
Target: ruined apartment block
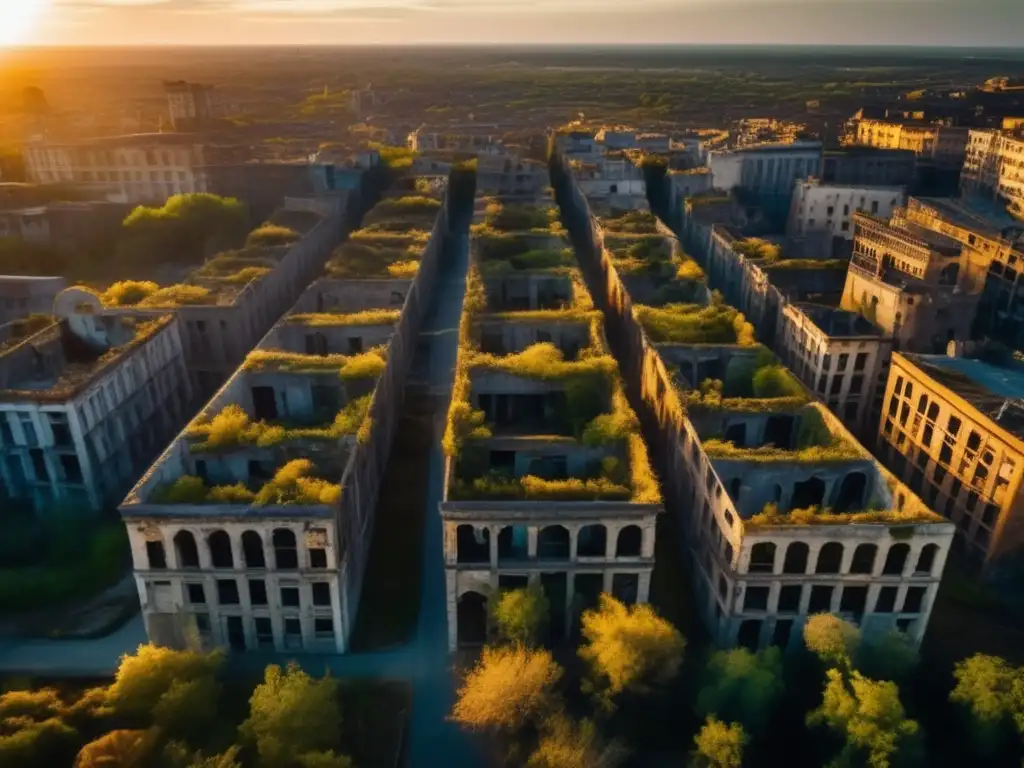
point(783, 514)
point(252, 530)
point(547, 478)
point(87, 398)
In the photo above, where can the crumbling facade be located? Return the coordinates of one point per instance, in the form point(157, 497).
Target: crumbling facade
point(533, 494)
point(87, 398)
point(252, 530)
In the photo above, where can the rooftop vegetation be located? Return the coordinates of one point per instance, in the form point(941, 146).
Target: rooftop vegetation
point(815, 443)
point(532, 260)
point(542, 361)
point(635, 222)
point(378, 254)
point(695, 324)
point(292, 485)
point(128, 293)
point(271, 234)
point(770, 515)
point(396, 158)
point(326, 319)
point(184, 229)
point(232, 428)
point(756, 248)
point(178, 295)
point(807, 264)
point(229, 263)
point(502, 217)
point(399, 214)
point(369, 364)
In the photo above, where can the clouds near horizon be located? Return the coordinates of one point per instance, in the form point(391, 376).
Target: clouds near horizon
point(234, 22)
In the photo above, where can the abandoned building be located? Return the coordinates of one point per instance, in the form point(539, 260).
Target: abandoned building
point(953, 430)
point(252, 530)
point(782, 513)
point(87, 399)
point(547, 478)
point(915, 284)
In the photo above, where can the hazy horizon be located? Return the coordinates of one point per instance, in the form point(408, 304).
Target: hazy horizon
point(973, 24)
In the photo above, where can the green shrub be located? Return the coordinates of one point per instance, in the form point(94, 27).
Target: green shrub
point(776, 381)
point(271, 235)
point(187, 489)
point(292, 485)
point(127, 293)
point(176, 296)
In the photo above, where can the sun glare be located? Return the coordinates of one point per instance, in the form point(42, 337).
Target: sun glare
point(18, 18)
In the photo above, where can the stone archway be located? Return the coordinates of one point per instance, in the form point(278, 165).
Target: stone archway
point(471, 618)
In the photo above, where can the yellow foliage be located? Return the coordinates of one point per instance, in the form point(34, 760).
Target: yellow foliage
point(404, 269)
point(720, 745)
point(367, 317)
point(629, 647)
point(127, 293)
point(690, 270)
point(291, 485)
point(507, 689)
point(177, 295)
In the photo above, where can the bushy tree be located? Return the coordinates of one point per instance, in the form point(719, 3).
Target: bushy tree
point(832, 639)
point(719, 745)
point(177, 754)
point(292, 714)
point(25, 742)
point(868, 716)
point(119, 749)
point(186, 228)
point(629, 648)
point(887, 656)
point(178, 688)
point(520, 616)
point(992, 691)
point(742, 686)
point(567, 744)
point(508, 689)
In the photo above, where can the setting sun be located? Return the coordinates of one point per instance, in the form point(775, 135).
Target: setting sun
point(17, 19)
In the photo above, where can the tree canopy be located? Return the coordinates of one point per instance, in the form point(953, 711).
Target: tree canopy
point(177, 687)
point(568, 744)
point(291, 715)
point(992, 691)
point(509, 688)
point(186, 229)
point(520, 615)
point(832, 639)
point(742, 686)
point(629, 648)
point(868, 716)
point(719, 745)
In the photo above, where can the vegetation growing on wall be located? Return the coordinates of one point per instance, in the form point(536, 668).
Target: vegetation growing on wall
point(818, 515)
point(292, 484)
point(632, 222)
point(328, 319)
point(503, 218)
point(756, 248)
point(378, 254)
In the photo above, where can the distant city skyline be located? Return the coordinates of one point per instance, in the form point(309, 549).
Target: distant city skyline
point(971, 23)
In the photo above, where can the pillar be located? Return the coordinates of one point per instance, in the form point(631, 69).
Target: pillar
point(611, 541)
point(643, 591)
point(531, 542)
point(493, 531)
point(647, 539)
point(574, 540)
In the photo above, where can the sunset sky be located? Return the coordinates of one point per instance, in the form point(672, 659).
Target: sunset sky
point(887, 22)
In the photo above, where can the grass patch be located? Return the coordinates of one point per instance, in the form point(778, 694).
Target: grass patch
point(808, 264)
point(327, 319)
point(378, 254)
point(270, 235)
point(695, 324)
point(756, 248)
point(178, 295)
point(502, 217)
point(817, 515)
point(633, 222)
point(292, 485)
point(369, 364)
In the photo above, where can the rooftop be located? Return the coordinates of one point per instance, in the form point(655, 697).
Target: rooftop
point(997, 391)
point(56, 364)
point(837, 322)
point(982, 216)
point(368, 254)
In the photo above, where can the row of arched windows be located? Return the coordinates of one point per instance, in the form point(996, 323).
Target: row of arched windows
point(285, 551)
point(553, 542)
point(830, 558)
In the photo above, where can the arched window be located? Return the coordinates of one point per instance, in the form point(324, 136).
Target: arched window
point(252, 550)
point(926, 560)
point(186, 550)
point(286, 554)
point(896, 560)
point(762, 557)
point(155, 554)
point(220, 550)
point(553, 543)
point(471, 619)
point(796, 558)
point(473, 544)
point(830, 558)
point(592, 541)
point(630, 542)
point(863, 558)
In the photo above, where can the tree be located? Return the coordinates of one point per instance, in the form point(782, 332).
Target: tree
point(324, 760)
point(177, 754)
point(993, 692)
point(629, 648)
point(719, 745)
point(888, 656)
point(742, 686)
point(292, 714)
point(166, 684)
point(508, 689)
point(566, 744)
point(869, 717)
point(833, 640)
point(118, 749)
point(521, 615)
point(187, 228)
